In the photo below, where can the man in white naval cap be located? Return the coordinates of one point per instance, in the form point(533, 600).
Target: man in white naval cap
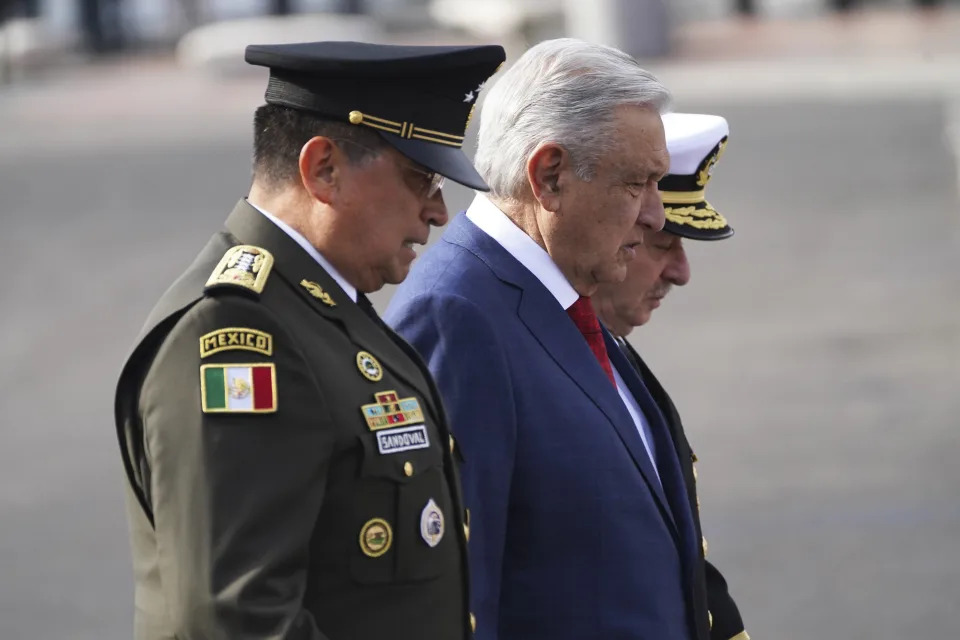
point(695, 143)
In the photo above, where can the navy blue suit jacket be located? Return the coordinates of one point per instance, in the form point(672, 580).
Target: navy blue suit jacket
point(572, 535)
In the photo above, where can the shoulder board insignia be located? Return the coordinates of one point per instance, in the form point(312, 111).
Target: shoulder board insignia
point(243, 266)
point(318, 292)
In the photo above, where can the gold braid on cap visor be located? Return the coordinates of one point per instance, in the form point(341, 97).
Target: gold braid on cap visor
point(705, 218)
point(405, 129)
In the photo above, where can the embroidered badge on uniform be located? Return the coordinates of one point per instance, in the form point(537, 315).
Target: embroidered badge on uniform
point(391, 411)
point(369, 366)
point(317, 292)
point(236, 338)
point(242, 266)
point(431, 523)
point(238, 388)
point(376, 537)
point(403, 439)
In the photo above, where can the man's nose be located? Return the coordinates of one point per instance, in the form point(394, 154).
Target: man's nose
point(435, 210)
point(678, 267)
point(651, 210)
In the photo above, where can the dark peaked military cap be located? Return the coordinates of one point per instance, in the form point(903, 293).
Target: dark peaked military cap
point(419, 99)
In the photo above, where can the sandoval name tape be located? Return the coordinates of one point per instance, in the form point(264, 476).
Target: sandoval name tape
point(403, 439)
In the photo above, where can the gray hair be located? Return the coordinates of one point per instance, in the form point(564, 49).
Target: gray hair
point(564, 91)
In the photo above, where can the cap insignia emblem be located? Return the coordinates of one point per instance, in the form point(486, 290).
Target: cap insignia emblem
point(704, 175)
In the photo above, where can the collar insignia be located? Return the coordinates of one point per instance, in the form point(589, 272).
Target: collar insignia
point(317, 292)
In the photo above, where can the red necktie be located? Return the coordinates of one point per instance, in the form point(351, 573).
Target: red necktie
point(586, 320)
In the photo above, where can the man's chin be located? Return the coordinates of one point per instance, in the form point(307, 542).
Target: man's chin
point(396, 274)
point(643, 316)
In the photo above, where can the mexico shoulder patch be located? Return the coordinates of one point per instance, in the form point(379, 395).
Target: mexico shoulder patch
point(238, 388)
point(236, 338)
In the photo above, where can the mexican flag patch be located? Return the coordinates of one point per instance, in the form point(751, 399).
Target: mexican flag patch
point(238, 388)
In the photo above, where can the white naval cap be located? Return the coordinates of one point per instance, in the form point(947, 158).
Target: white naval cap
point(695, 142)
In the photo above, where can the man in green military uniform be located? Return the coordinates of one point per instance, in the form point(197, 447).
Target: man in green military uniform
point(290, 470)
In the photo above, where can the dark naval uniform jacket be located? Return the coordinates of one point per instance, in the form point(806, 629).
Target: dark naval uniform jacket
point(290, 471)
point(725, 622)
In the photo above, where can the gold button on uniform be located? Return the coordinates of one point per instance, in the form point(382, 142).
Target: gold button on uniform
point(710, 616)
point(473, 623)
point(408, 468)
point(705, 546)
point(453, 444)
point(695, 473)
point(466, 532)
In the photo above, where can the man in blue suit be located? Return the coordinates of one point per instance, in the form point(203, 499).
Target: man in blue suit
point(695, 142)
point(579, 521)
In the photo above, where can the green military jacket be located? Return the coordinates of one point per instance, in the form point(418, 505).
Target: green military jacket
point(290, 470)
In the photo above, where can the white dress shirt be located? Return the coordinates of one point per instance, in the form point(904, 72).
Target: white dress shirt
point(522, 247)
point(348, 288)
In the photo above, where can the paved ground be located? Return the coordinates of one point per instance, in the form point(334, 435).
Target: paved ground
point(815, 356)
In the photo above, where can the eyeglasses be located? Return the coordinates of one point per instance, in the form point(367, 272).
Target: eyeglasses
point(426, 187)
point(432, 181)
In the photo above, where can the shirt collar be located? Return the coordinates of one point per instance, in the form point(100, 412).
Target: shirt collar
point(495, 223)
point(348, 288)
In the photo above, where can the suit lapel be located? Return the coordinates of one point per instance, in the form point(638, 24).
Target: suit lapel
point(670, 414)
point(295, 266)
point(656, 390)
point(685, 457)
point(552, 328)
point(672, 449)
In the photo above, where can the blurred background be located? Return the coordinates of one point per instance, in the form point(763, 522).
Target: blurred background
point(815, 357)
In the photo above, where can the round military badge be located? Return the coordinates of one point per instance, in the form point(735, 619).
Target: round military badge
point(375, 537)
point(431, 523)
point(369, 366)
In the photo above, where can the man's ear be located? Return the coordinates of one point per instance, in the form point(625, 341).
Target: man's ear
point(321, 167)
point(545, 167)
